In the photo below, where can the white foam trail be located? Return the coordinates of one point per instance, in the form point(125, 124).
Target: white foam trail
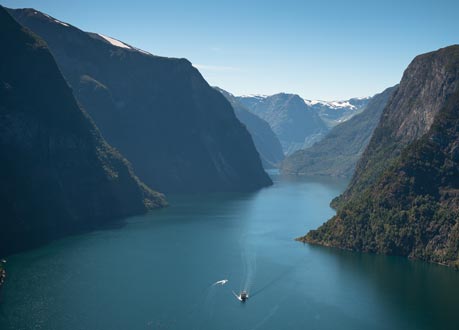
point(221, 282)
point(237, 297)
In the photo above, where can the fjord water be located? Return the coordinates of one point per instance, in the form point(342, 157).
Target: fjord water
point(157, 271)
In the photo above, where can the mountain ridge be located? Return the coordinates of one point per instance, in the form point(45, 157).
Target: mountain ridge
point(338, 152)
point(295, 125)
point(179, 134)
point(265, 139)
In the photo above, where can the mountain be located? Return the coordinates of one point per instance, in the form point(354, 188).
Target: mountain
point(404, 196)
point(265, 139)
point(422, 93)
point(336, 112)
point(338, 153)
point(57, 173)
point(295, 124)
point(178, 132)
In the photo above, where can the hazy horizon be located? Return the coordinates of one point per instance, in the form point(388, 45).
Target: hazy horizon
point(341, 51)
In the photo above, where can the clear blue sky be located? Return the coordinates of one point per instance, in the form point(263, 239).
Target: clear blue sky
point(326, 49)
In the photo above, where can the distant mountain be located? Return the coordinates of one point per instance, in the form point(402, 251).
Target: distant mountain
point(57, 174)
point(404, 196)
point(179, 133)
point(338, 153)
point(265, 139)
point(336, 112)
point(296, 125)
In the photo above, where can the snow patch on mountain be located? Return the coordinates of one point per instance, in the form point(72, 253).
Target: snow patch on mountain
point(142, 51)
point(52, 19)
point(255, 96)
point(61, 23)
point(331, 112)
point(314, 102)
point(115, 42)
point(331, 104)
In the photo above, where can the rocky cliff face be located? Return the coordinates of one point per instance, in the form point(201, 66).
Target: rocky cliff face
point(426, 84)
point(57, 173)
point(338, 153)
point(404, 197)
point(266, 141)
point(179, 133)
point(295, 124)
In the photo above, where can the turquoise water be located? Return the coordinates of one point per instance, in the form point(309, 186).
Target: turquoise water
point(157, 271)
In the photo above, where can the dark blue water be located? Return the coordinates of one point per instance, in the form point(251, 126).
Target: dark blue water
point(156, 272)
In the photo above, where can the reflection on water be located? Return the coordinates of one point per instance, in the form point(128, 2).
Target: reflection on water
point(158, 271)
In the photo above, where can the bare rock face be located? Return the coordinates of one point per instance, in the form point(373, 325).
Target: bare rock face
point(426, 84)
point(58, 175)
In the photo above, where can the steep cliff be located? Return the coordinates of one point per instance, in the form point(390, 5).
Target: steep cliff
point(57, 173)
point(265, 139)
point(338, 153)
point(178, 132)
point(423, 90)
point(404, 198)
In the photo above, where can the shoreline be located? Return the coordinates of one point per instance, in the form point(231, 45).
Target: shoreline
point(2, 276)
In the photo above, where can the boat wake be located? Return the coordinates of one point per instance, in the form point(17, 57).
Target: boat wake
point(249, 259)
point(221, 282)
point(237, 296)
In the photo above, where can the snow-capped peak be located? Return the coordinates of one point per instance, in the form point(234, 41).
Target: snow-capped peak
point(314, 102)
point(332, 104)
point(361, 98)
point(342, 104)
point(256, 96)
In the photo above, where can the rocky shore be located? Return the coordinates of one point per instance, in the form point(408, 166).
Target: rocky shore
point(2, 273)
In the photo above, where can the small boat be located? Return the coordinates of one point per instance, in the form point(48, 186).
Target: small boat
point(243, 296)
